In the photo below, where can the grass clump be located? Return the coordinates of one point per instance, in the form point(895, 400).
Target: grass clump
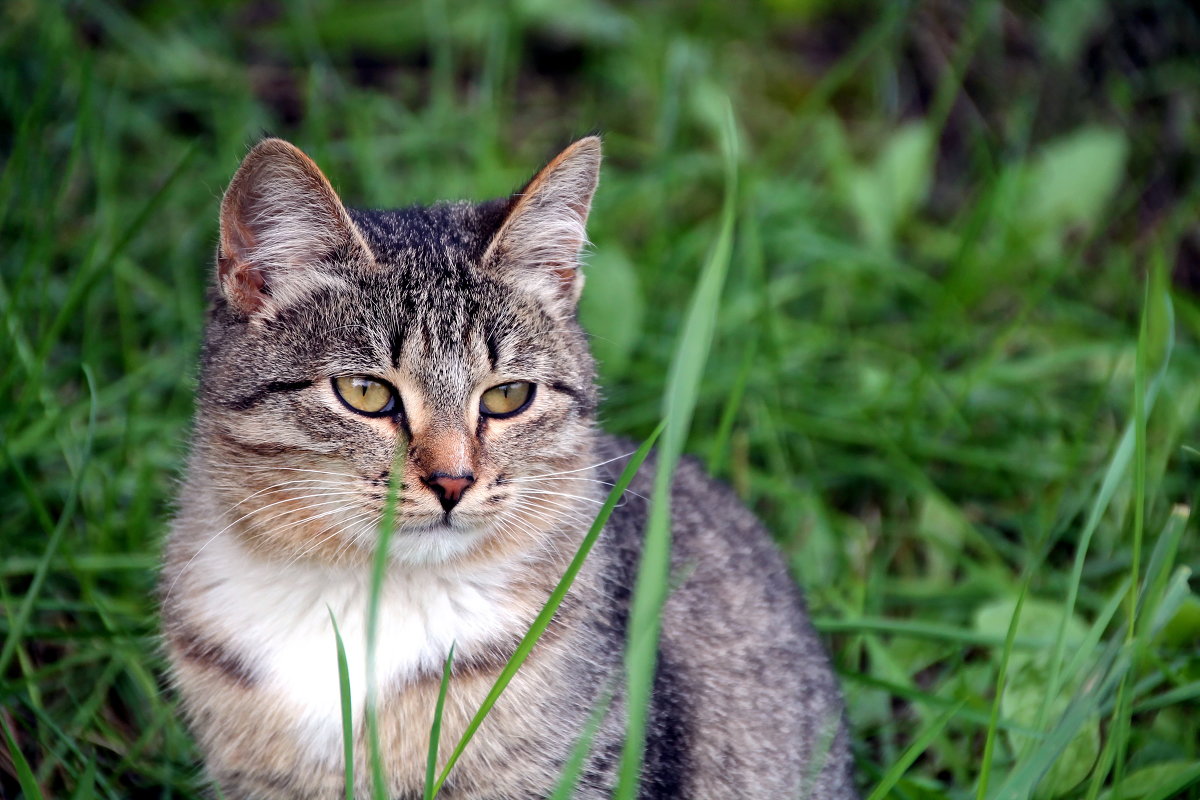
point(952, 365)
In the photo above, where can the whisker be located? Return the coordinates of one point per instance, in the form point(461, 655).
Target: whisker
point(550, 516)
point(551, 478)
point(242, 518)
point(278, 487)
point(301, 509)
point(590, 480)
point(270, 467)
point(338, 529)
point(585, 469)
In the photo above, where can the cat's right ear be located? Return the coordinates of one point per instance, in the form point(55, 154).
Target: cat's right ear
point(281, 221)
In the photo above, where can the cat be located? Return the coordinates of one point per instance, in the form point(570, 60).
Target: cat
point(441, 343)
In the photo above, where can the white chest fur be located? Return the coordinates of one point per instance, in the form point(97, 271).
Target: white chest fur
point(277, 618)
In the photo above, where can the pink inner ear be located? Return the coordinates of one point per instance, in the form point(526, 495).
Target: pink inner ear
point(244, 283)
point(564, 272)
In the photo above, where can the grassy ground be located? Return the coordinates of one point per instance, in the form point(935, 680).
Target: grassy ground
point(954, 366)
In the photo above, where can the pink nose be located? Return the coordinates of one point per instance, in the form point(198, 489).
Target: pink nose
point(448, 488)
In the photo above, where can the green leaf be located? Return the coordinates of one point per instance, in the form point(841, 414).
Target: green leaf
point(1183, 628)
point(884, 195)
point(612, 309)
point(1157, 781)
point(1025, 700)
point(1039, 620)
point(1066, 25)
point(1068, 186)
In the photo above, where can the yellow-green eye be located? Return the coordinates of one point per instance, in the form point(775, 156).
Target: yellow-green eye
point(367, 396)
point(506, 399)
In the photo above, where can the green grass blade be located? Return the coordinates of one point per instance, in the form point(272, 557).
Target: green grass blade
point(932, 631)
point(1114, 475)
point(922, 741)
point(24, 774)
point(1162, 559)
point(347, 708)
point(552, 603)
point(1118, 738)
point(718, 453)
point(989, 744)
point(1112, 667)
point(435, 729)
point(379, 567)
point(18, 623)
point(1174, 786)
point(683, 386)
point(85, 788)
point(569, 779)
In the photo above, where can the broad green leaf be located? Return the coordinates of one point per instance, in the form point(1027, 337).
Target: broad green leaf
point(1183, 628)
point(1066, 25)
point(1156, 781)
point(612, 309)
point(885, 194)
point(1025, 699)
point(1068, 186)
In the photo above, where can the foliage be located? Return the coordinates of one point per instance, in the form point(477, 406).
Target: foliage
point(951, 369)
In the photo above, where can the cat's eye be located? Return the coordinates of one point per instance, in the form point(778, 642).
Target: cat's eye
point(506, 399)
point(367, 396)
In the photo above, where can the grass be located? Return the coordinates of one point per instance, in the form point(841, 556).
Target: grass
point(950, 369)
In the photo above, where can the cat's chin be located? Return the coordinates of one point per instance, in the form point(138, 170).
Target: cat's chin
point(436, 542)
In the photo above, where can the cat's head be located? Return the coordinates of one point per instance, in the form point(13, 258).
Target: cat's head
point(439, 343)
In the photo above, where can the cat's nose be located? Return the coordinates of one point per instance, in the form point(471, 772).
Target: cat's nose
point(448, 488)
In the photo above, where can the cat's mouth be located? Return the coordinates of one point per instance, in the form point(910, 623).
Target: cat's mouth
point(452, 521)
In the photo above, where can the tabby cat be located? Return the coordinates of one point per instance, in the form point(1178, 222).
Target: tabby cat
point(442, 342)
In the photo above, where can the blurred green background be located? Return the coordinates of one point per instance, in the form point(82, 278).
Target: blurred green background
point(955, 368)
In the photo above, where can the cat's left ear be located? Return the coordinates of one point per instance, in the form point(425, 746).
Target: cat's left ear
point(538, 245)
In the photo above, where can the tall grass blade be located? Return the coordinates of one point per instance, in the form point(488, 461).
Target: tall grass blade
point(387, 525)
point(17, 625)
point(25, 777)
point(890, 778)
point(435, 729)
point(1111, 668)
point(347, 708)
point(1118, 738)
point(1117, 469)
point(568, 780)
point(989, 744)
point(683, 386)
point(1162, 559)
point(85, 787)
point(552, 603)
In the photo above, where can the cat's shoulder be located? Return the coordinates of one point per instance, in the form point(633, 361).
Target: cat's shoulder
point(707, 516)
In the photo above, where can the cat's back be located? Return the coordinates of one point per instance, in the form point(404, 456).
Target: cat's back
point(744, 684)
